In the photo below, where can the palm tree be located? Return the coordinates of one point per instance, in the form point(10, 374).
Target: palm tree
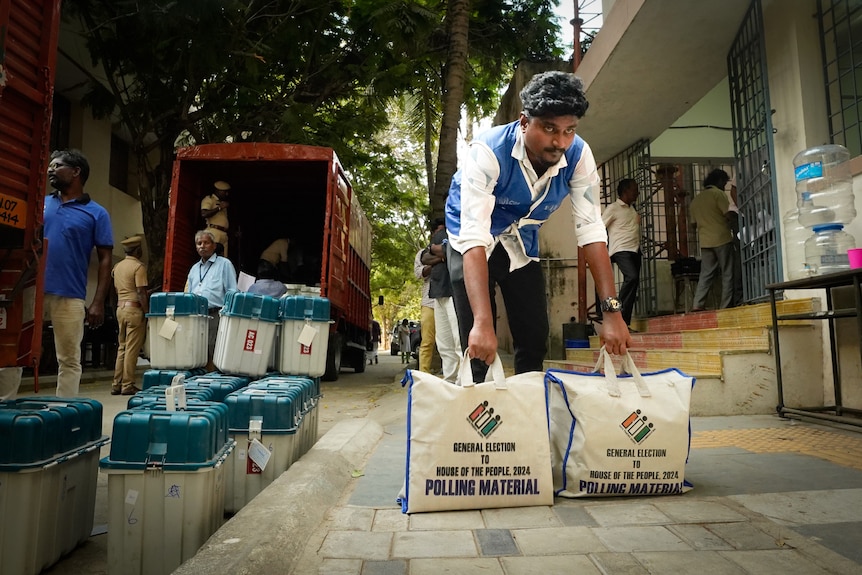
point(458, 24)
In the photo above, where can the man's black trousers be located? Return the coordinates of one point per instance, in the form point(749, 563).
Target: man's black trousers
point(524, 296)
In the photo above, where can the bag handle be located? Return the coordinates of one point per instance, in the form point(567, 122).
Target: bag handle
point(495, 372)
point(628, 366)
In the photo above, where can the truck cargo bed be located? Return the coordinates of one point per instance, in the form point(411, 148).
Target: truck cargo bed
point(281, 190)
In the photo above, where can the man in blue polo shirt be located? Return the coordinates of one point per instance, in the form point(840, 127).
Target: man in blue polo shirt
point(74, 224)
point(211, 277)
point(514, 177)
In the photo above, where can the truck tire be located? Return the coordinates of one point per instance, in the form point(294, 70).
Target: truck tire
point(358, 357)
point(333, 357)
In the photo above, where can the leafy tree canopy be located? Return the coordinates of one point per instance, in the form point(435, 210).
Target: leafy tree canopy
point(336, 73)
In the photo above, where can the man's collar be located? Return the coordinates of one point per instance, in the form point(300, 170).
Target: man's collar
point(519, 150)
point(82, 199)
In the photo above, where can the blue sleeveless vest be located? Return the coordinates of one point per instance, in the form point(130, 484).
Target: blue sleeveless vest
point(512, 192)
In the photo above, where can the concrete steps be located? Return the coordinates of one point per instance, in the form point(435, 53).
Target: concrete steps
point(720, 338)
point(756, 315)
point(693, 362)
point(729, 352)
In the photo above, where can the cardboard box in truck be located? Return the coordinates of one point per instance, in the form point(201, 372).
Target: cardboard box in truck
point(282, 191)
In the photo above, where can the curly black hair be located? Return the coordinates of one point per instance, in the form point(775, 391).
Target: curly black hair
point(554, 94)
point(717, 178)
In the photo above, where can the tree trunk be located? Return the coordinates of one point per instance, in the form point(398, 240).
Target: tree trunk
point(429, 147)
point(154, 186)
point(458, 18)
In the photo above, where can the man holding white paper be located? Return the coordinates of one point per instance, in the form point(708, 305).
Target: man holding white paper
point(211, 277)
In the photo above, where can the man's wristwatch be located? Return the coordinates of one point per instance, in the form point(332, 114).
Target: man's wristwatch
point(611, 304)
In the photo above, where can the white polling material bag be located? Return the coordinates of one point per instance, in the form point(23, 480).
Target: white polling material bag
point(476, 446)
point(619, 435)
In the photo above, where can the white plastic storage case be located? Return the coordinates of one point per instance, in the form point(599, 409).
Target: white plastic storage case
point(165, 485)
point(186, 346)
point(299, 316)
point(246, 333)
point(273, 418)
point(49, 467)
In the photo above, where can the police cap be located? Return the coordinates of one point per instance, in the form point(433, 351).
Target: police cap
point(132, 242)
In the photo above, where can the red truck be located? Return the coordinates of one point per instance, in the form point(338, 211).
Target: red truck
point(282, 190)
point(28, 54)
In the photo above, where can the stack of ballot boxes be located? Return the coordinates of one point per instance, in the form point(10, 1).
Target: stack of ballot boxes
point(265, 422)
point(246, 333)
point(166, 476)
point(308, 393)
point(177, 330)
point(49, 466)
point(176, 467)
point(304, 337)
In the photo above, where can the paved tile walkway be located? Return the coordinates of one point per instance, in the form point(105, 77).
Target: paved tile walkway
point(771, 496)
point(837, 447)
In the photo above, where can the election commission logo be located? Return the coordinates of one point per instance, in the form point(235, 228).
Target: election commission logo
point(637, 426)
point(484, 420)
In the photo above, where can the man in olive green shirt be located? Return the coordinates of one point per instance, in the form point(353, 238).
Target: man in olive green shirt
point(709, 211)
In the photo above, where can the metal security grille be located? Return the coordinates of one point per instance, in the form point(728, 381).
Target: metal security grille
point(753, 150)
point(666, 190)
point(634, 162)
point(841, 45)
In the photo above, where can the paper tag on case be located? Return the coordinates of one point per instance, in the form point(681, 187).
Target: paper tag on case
point(307, 335)
point(168, 328)
point(258, 453)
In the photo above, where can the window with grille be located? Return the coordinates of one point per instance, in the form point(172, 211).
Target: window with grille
point(841, 37)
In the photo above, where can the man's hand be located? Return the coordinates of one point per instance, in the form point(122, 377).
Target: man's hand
point(96, 315)
point(430, 259)
point(482, 343)
point(614, 333)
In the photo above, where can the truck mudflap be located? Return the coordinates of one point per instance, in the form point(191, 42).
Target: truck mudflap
point(356, 356)
point(343, 352)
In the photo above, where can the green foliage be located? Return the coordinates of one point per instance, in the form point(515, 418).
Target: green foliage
point(501, 35)
point(336, 73)
point(397, 205)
